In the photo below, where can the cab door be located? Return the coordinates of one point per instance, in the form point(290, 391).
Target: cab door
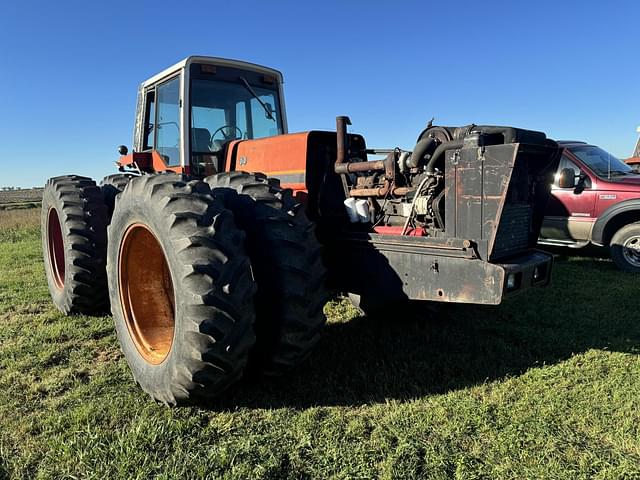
point(570, 212)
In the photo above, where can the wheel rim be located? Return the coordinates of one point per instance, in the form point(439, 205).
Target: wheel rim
point(146, 293)
point(631, 250)
point(55, 244)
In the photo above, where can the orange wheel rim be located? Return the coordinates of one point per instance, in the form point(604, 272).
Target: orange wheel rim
point(146, 293)
point(55, 246)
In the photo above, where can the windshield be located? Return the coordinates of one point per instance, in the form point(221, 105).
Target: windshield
point(600, 161)
point(222, 111)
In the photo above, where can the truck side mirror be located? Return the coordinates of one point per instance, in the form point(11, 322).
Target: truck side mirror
point(567, 178)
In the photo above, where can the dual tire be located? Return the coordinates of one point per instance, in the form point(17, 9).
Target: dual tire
point(287, 264)
point(180, 282)
point(181, 288)
point(74, 243)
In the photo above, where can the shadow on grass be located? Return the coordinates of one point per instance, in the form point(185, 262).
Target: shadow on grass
point(589, 305)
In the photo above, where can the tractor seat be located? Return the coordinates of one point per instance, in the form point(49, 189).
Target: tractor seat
point(204, 160)
point(200, 140)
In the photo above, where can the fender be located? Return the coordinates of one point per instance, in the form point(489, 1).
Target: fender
point(148, 162)
point(597, 234)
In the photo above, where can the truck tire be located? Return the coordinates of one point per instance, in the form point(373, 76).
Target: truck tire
point(181, 288)
point(625, 248)
point(111, 186)
point(74, 243)
point(287, 263)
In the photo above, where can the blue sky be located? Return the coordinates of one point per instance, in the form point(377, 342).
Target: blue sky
point(70, 69)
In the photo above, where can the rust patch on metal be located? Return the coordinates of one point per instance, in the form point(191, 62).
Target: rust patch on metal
point(146, 293)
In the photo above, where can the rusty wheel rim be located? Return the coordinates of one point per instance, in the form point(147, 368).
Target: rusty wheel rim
point(146, 293)
point(55, 246)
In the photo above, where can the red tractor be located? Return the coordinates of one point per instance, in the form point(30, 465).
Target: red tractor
point(217, 245)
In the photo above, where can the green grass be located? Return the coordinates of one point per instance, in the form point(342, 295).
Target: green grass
point(545, 386)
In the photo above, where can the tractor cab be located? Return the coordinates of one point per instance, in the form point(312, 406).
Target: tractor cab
point(188, 114)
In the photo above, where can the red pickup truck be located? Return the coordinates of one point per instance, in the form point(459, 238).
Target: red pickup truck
point(595, 200)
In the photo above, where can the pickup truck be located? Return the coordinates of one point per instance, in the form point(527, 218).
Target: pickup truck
point(595, 199)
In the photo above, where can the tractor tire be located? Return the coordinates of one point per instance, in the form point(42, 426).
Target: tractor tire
point(287, 264)
point(111, 186)
point(74, 244)
point(625, 248)
point(181, 288)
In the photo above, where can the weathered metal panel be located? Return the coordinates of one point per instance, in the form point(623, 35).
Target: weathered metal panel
point(477, 180)
point(496, 195)
point(419, 268)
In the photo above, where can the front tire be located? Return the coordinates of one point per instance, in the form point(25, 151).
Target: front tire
point(287, 263)
point(74, 242)
point(625, 248)
point(181, 288)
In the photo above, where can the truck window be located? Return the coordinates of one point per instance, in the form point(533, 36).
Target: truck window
point(564, 163)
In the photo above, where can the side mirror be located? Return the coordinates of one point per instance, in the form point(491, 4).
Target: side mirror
point(123, 150)
point(567, 178)
point(269, 111)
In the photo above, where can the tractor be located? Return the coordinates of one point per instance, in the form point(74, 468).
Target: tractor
point(217, 244)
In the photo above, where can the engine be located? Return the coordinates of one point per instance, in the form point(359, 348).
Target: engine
point(476, 182)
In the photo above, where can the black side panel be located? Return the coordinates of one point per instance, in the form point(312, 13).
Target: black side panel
point(496, 196)
point(326, 195)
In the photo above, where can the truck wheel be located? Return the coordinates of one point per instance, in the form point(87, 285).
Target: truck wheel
point(625, 248)
point(74, 242)
point(111, 186)
point(287, 263)
point(181, 288)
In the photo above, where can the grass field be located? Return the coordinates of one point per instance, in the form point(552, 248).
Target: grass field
point(545, 386)
point(20, 199)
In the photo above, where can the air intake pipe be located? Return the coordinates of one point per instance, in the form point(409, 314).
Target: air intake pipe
point(420, 150)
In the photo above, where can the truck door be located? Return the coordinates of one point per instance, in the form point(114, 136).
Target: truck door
point(570, 213)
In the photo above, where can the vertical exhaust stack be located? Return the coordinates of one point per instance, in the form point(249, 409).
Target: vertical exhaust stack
point(341, 133)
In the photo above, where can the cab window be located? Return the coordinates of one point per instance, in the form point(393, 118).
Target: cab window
point(264, 125)
point(167, 124)
point(149, 121)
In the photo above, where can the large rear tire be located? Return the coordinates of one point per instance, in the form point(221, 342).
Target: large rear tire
point(74, 242)
point(181, 288)
point(287, 263)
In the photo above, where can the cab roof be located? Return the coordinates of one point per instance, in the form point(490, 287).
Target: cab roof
point(567, 143)
point(226, 62)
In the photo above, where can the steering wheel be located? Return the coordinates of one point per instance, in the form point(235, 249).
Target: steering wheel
point(226, 137)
